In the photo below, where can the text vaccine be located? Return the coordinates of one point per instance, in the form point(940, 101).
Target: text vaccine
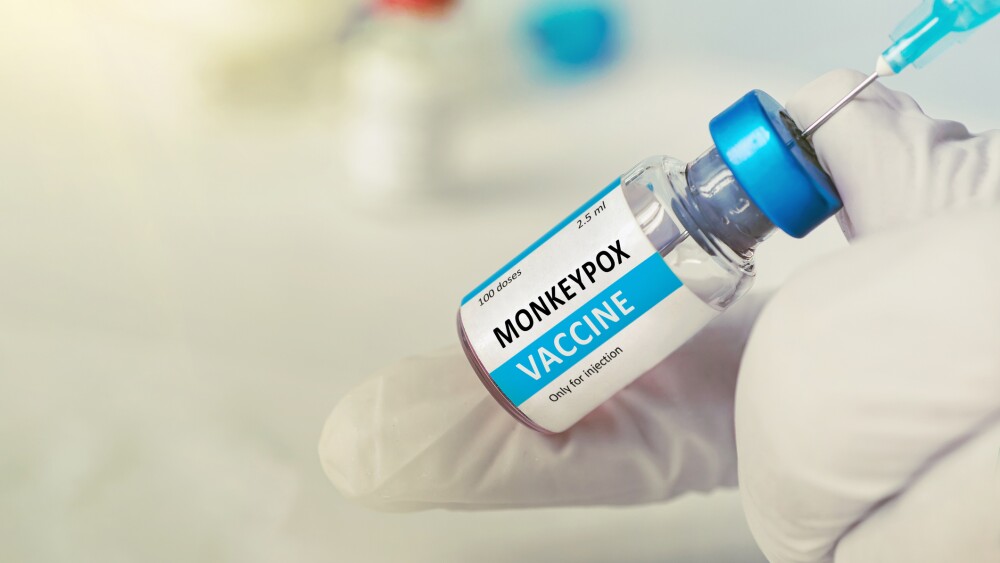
point(641, 267)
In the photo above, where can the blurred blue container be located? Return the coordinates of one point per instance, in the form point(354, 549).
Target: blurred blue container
point(573, 38)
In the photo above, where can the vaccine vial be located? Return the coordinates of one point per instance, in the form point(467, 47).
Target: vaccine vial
point(641, 267)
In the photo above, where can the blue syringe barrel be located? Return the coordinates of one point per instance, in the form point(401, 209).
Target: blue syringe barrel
point(932, 28)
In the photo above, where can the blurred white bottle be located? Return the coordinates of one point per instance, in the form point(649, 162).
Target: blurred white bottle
point(402, 77)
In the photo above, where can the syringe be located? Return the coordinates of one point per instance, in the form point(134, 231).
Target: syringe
point(924, 34)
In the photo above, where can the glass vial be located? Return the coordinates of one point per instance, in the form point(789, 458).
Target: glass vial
point(640, 268)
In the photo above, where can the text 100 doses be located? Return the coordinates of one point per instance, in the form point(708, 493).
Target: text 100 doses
point(498, 287)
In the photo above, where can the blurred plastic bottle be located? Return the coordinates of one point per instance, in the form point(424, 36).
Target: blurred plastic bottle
point(400, 68)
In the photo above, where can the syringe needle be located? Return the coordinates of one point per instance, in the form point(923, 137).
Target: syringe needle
point(843, 102)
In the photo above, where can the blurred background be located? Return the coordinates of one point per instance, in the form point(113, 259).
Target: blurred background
point(217, 216)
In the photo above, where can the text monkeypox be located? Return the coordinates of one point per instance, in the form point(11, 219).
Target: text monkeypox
point(563, 291)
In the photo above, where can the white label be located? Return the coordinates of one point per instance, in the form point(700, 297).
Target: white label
point(580, 314)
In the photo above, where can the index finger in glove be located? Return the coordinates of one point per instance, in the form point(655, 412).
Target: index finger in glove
point(425, 433)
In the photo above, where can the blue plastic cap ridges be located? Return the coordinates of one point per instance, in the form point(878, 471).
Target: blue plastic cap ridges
point(754, 136)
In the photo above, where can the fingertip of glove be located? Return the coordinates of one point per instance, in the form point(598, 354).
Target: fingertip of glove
point(346, 450)
point(395, 416)
point(868, 143)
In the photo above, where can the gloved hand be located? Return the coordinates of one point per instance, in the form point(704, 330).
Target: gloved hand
point(868, 404)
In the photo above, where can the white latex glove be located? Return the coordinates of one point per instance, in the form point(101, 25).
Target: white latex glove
point(869, 377)
point(868, 404)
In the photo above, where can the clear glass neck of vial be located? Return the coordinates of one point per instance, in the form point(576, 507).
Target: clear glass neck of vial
point(719, 205)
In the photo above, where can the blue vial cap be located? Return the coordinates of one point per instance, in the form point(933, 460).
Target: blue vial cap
point(776, 167)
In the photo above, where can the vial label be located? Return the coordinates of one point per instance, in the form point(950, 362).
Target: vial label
point(580, 314)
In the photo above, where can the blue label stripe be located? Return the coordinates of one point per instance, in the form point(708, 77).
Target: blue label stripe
point(642, 288)
point(489, 281)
